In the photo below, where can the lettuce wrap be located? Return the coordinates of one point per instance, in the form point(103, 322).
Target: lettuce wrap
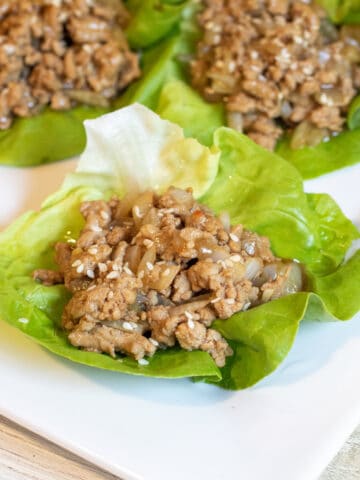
point(54, 135)
point(133, 149)
point(341, 151)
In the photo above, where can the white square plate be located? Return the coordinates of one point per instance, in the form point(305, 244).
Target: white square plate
point(288, 427)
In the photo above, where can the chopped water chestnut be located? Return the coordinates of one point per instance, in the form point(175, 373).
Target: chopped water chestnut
point(158, 271)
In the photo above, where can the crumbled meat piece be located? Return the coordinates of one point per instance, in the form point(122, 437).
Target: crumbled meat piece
point(138, 286)
point(216, 345)
point(48, 277)
point(61, 54)
point(109, 340)
point(276, 64)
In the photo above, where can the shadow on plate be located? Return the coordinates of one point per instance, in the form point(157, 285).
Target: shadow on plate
point(316, 344)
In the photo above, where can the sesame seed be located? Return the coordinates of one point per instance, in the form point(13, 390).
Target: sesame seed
point(141, 274)
point(191, 324)
point(149, 266)
point(234, 237)
point(93, 250)
point(232, 67)
point(230, 301)
point(142, 361)
point(90, 273)
point(166, 272)
point(116, 267)
point(95, 228)
point(110, 295)
point(80, 268)
point(127, 270)
point(23, 320)
point(154, 342)
point(228, 262)
point(215, 300)
point(127, 326)
point(235, 258)
point(91, 288)
point(104, 215)
point(206, 250)
point(76, 263)
point(112, 275)
point(188, 315)
point(102, 267)
point(249, 248)
point(137, 212)
point(148, 243)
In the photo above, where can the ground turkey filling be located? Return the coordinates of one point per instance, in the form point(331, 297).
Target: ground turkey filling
point(277, 65)
point(60, 52)
point(151, 272)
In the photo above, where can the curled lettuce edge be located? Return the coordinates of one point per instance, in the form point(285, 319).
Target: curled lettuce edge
point(260, 337)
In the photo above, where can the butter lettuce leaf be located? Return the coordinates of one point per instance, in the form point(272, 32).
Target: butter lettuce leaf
point(260, 190)
point(152, 20)
point(264, 192)
point(341, 151)
point(180, 104)
point(139, 150)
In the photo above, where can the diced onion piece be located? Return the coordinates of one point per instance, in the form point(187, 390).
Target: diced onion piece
point(133, 256)
point(252, 268)
point(142, 205)
point(88, 97)
point(224, 218)
point(167, 274)
point(148, 259)
point(294, 279)
point(182, 197)
point(306, 134)
point(235, 121)
point(200, 302)
point(151, 218)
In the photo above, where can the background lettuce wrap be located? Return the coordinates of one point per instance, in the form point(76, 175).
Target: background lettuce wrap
point(310, 228)
point(55, 135)
point(342, 150)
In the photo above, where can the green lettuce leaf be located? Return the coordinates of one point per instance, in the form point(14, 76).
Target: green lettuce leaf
point(152, 20)
point(274, 204)
point(341, 11)
point(310, 228)
point(341, 151)
point(182, 105)
point(47, 137)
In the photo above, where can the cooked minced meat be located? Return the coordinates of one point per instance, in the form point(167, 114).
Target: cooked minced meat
point(59, 52)
point(277, 65)
point(155, 271)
